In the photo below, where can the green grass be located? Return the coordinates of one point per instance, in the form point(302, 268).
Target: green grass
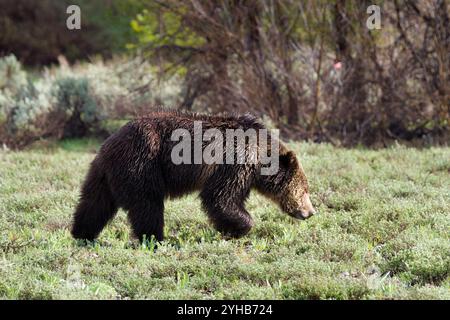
point(382, 233)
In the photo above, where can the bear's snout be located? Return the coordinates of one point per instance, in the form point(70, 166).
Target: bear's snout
point(307, 209)
point(303, 214)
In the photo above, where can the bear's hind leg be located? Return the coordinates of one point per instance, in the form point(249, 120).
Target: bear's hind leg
point(147, 219)
point(96, 207)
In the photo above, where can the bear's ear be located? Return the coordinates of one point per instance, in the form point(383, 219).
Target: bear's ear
point(288, 160)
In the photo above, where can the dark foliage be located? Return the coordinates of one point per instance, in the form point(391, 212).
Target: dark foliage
point(36, 32)
point(314, 67)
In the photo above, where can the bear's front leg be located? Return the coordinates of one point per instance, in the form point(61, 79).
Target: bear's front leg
point(234, 222)
point(227, 214)
point(147, 219)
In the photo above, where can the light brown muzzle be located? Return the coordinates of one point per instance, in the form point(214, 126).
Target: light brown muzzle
point(307, 210)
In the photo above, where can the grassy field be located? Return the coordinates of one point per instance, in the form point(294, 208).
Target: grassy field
point(382, 233)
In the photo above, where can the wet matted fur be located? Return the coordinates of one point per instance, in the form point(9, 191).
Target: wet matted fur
point(133, 170)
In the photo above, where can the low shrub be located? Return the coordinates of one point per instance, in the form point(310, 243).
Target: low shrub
point(76, 101)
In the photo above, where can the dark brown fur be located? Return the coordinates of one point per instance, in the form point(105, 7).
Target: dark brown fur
point(133, 170)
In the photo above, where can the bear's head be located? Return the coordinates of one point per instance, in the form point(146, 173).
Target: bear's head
point(294, 194)
point(288, 187)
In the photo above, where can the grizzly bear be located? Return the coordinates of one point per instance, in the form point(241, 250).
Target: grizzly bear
point(134, 170)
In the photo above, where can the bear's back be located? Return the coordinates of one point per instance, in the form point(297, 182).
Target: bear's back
point(142, 150)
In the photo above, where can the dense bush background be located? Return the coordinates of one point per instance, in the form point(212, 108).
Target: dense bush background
point(311, 68)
